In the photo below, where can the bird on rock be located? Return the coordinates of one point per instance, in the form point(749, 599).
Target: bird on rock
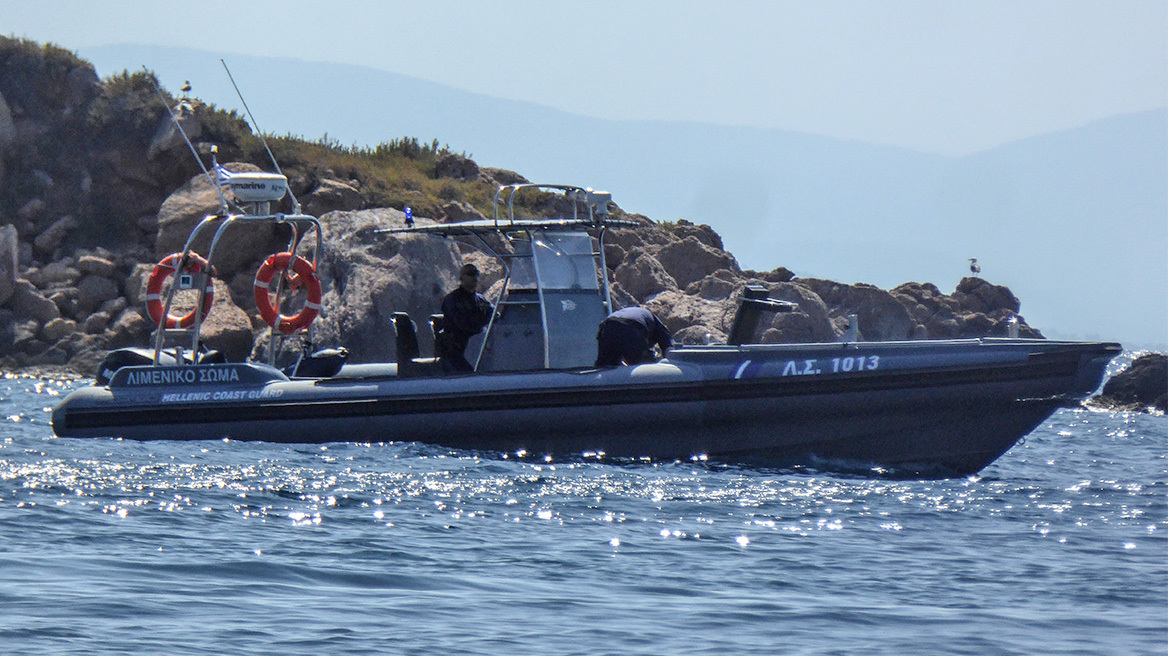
point(974, 267)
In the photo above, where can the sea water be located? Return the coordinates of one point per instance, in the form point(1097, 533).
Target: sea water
point(221, 547)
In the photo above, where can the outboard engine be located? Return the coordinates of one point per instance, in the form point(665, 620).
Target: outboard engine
point(753, 306)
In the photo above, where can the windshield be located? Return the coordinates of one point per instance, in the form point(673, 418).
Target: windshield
point(565, 260)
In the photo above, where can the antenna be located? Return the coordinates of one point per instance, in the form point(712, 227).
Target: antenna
point(295, 203)
point(214, 183)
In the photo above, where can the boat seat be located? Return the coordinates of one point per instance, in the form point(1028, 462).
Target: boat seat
point(407, 337)
point(409, 365)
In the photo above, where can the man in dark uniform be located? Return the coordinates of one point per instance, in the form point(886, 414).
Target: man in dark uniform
point(464, 314)
point(628, 336)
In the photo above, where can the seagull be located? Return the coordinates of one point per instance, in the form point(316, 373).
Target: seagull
point(973, 266)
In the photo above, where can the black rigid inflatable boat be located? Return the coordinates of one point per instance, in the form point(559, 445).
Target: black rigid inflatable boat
point(952, 406)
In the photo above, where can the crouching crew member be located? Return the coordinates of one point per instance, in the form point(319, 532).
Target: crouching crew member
point(464, 314)
point(628, 336)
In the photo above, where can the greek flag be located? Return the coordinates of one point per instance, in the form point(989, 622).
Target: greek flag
point(222, 175)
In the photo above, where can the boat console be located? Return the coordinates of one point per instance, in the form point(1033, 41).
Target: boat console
point(555, 289)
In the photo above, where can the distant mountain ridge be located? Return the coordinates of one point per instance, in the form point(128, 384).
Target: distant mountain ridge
point(1075, 222)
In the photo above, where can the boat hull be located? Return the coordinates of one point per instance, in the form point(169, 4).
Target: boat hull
point(954, 406)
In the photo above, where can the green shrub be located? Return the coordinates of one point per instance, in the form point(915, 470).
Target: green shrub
point(128, 109)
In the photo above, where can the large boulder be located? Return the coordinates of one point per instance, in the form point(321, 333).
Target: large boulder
point(227, 328)
point(701, 319)
point(134, 288)
point(642, 276)
point(1143, 385)
point(977, 295)
point(976, 309)
point(28, 303)
point(810, 322)
point(54, 275)
point(778, 274)
point(457, 211)
point(331, 196)
point(684, 229)
point(495, 177)
point(26, 337)
point(934, 312)
point(30, 214)
point(134, 186)
point(691, 318)
point(649, 236)
point(96, 323)
point(614, 255)
point(131, 328)
point(88, 351)
point(368, 276)
point(95, 290)
point(57, 329)
point(619, 297)
point(52, 237)
point(96, 265)
point(690, 260)
point(457, 167)
point(719, 285)
point(882, 317)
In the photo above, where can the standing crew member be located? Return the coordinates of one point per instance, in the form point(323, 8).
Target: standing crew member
point(628, 336)
point(464, 314)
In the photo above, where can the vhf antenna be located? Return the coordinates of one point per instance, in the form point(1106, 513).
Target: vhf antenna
point(295, 203)
point(223, 202)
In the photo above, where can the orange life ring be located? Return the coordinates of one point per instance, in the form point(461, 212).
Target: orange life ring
point(163, 270)
point(305, 274)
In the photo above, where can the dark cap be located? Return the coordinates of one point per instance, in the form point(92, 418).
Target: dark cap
point(468, 269)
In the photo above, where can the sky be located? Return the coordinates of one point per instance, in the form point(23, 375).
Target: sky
point(950, 78)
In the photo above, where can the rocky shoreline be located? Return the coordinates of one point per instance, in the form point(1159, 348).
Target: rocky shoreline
point(67, 312)
point(97, 185)
point(1141, 387)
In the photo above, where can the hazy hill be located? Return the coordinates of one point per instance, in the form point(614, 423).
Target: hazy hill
point(1075, 222)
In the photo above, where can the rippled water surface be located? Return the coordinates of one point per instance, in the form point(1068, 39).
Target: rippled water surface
point(1061, 547)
